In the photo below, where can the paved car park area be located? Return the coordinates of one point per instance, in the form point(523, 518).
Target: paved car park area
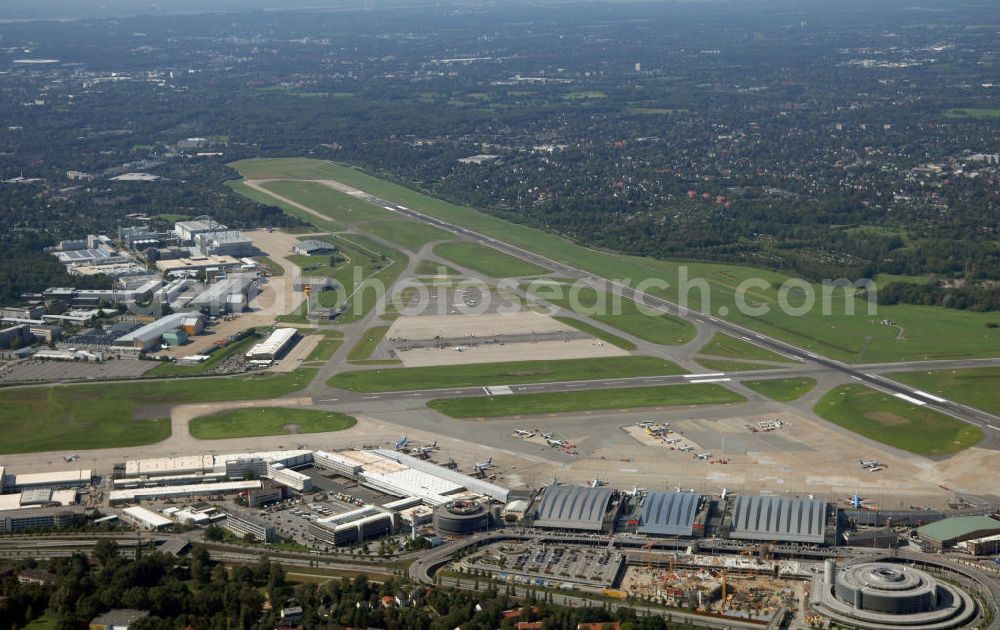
point(555, 563)
point(36, 370)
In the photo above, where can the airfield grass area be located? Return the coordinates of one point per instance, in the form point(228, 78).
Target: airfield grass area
point(324, 225)
point(976, 387)
point(599, 399)
point(598, 333)
point(486, 260)
point(326, 348)
point(431, 268)
point(722, 345)
point(362, 258)
point(486, 374)
point(259, 421)
point(732, 365)
point(406, 233)
point(172, 369)
point(367, 344)
point(623, 314)
point(782, 389)
point(113, 415)
point(849, 332)
point(890, 420)
point(338, 206)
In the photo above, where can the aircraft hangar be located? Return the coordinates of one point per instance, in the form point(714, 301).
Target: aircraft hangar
point(671, 514)
point(782, 519)
point(574, 507)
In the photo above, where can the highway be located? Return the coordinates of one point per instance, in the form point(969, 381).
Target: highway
point(965, 413)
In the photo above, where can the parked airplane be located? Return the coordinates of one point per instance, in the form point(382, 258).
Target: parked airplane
point(686, 449)
point(482, 466)
point(869, 463)
point(554, 442)
point(596, 483)
point(524, 433)
point(857, 502)
point(673, 440)
point(71, 458)
point(401, 443)
point(703, 456)
point(425, 451)
point(548, 436)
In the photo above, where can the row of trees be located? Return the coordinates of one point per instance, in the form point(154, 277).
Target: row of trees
point(198, 592)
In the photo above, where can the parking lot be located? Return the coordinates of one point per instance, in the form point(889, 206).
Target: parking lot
point(553, 563)
point(36, 370)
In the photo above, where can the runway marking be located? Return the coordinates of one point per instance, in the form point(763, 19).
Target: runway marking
point(910, 399)
point(498, 390)
point(857, 378)
point(704, 375)
point(930, 396)
point(993, 427)
point(711, 380)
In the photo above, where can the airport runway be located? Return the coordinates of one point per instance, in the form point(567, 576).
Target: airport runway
point(986, 421)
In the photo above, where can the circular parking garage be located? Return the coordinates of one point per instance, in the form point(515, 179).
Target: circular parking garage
point(883, 595)
point(460, 518)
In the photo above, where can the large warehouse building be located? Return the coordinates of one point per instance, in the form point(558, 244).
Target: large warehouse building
point(673, 514)
point(782, 519)
point(948, 532)
point(355, 526)
point(149, 336)
point(226, 296)
point(578, 508)
point(274, 346)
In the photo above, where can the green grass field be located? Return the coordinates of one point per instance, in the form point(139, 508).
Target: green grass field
point(486, 261)
point(172, 369)
point(366, 259)
point(599, 333)
point(338, 206)
point(406, 233)
point(930, 332)
point(369, 341)
point(976, 387)
point(895, 422)
point(121, 414)
point(624, 315)
point(884, 279)
point(981, 113)
point(325, 349)
point(268, 200)
point(732, 365)
point(431, 268)
point(722, 345)
point(782, 389)
point(485, 374)
point(600, 399)
point(260, 421)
